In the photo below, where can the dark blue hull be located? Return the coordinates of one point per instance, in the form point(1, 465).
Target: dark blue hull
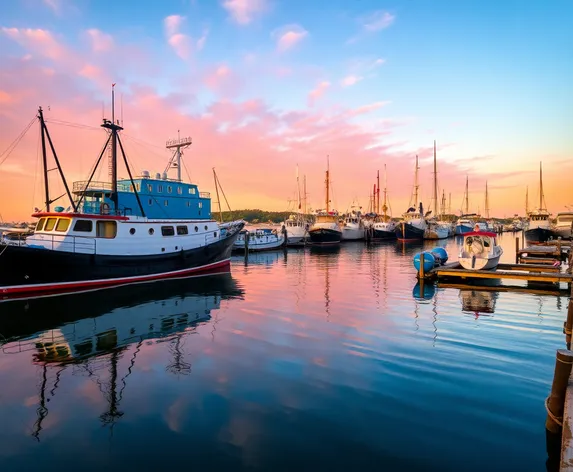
point(408, 232)
point(539, 234)
point(379, 235)
point(325, 236)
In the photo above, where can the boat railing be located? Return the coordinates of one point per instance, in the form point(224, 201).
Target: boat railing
point(63, 242)
point(84, 185)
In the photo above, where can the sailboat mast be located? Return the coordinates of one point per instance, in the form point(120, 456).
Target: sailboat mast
point(385, 207)
point(327, 185)
point(540, 187)
point(113, 149)
point(304, 190)
point(298, 189)
point(450, 204)
point(486, 201)
point(416, 182)
point(44, 160)
point(378, 192)
point(467, 197)
point(526, 200)
point(217, 192)
point(435, 182)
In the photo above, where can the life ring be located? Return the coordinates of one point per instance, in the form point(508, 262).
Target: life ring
point(104, 208)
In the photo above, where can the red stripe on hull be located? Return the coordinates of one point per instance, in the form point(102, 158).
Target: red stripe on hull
point(62, 287)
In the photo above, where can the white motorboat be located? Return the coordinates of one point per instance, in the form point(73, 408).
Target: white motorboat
point(353, 227)
point(564, 225)
point(296, 228)
point(480, 251)
point(261, 239)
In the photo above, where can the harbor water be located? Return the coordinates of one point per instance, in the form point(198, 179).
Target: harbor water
point(302, 359)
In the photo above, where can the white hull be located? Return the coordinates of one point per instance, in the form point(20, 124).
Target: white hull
point(258, 242)
point(479, 263)
point(563, 232)
point(434, 231)
point(352, 234)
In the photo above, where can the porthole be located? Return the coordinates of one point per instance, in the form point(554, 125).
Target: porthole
point(206, 227)
point(215, 234)
point(162, 249)
point(176, 248)
point(151, 231)
point(196, 228)
point(132, 231)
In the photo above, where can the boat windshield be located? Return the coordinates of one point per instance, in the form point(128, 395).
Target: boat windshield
point(478, 244)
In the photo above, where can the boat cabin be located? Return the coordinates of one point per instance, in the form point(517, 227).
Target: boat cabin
point(161, 198)
point(478, 242)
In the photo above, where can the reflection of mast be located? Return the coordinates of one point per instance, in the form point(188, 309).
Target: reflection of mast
point(435, 183)
point(327, 295)
point(42, 409)
point(178, 366)
point(113, 412)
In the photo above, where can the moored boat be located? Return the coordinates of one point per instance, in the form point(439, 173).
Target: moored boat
point(413, 224)
point(539, 226)
point(564, 225)
point(260, 239)
point(127, 231)
point(326, 229)
point(480, 251)
point(353, 227)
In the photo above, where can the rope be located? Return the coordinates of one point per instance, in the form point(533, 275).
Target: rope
point(558, 421)
point(564, 362)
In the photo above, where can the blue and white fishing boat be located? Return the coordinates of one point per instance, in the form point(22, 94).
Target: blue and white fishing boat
point(126, 231)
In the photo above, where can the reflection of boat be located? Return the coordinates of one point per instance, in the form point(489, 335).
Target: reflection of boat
point(478, 301)
point(126, 314)
point(261, 239)
point(480, 251)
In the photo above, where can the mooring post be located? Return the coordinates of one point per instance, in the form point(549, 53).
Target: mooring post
point(421, 272)
point(555, 403)
point(517, 250)
point(569, 323)
point(246, 242)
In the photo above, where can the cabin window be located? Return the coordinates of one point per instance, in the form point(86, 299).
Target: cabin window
point(167, 231)
point(182, 230)
point(50, 223)
point(40, 224)
point(150, 201)
point(486, 242)
point(84, 226)
point(188, 203)
point(179, 190)
point(200, 204)
point(166, 203)
point(106, 229)
point(192, 190)
point(160, 188)
point(150, 188)
point(138, 186)
point(215, 234)
point(63, 224)
point(169, 189)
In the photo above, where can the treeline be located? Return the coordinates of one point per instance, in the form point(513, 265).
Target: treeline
point(254, 216)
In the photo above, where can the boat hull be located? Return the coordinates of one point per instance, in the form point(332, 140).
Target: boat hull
point(325, 236)
point(383, 235)
point(352, 234)
point(409, 232)
point(36, 270)
point(564, 233)
point(539, 234)
point(436, 232)
point(479, 263)
point(463, 229)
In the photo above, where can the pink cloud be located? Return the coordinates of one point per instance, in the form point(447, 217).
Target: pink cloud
point(289, 36)
point(244, 11)
point(55, 5)
point(368, 108)
point(223, 81)
point(350, 80)
point(38, 40)
point(100, 41)
point(318, 92)
point(378, 20)
point(182, 44)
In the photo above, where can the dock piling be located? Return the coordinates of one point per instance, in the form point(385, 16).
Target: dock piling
point(555, 403)
point(422, 271)
point(569, 323)
point(517, 250)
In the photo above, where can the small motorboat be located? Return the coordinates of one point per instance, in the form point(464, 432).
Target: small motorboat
point(480, 251)
point(261, 239)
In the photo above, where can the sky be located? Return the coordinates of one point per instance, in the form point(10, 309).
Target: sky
point(264, 87)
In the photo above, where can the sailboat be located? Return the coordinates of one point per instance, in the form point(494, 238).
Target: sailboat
point(326, 230)
point(539, 223)
point(383, 228)
point(435, 230)
point(126, 231)
point(465, 223)
point(413, 224)
point(296, 225)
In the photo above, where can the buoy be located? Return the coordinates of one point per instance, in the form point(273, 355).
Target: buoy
point(429, 261)
point(440, 255)
point(59, 209)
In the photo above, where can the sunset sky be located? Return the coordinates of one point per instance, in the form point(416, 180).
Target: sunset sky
point(265, 85)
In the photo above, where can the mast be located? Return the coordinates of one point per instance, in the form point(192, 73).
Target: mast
point(384, 206)
point(526, 200)
point(443, 205)
point(416, 182)
point(450, 204)
point(540, 187)
point(298, 189)
point(217, 192)
point(44, 160)
point(378, 192)
point(114, 128)
point(327, 185)
point(486, 201)
point(467, 197)
point(304, 190)
point(373, 199)
point(177, 144)
point(435, 182)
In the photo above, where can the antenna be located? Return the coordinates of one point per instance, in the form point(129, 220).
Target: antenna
point(121, 108)
point(177, 144)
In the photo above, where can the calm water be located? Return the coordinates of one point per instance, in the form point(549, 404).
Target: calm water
point(303, 360)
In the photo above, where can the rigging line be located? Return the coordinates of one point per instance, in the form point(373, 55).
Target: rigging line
point(186, 171)
point(74, 125)
point(143, 142)
point(36, 168)
point(15, 143)
point(143, 146)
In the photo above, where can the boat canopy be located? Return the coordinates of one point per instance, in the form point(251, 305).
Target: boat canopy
point(481, 233)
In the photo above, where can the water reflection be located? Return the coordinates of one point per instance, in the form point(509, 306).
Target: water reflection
point(478, 302)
